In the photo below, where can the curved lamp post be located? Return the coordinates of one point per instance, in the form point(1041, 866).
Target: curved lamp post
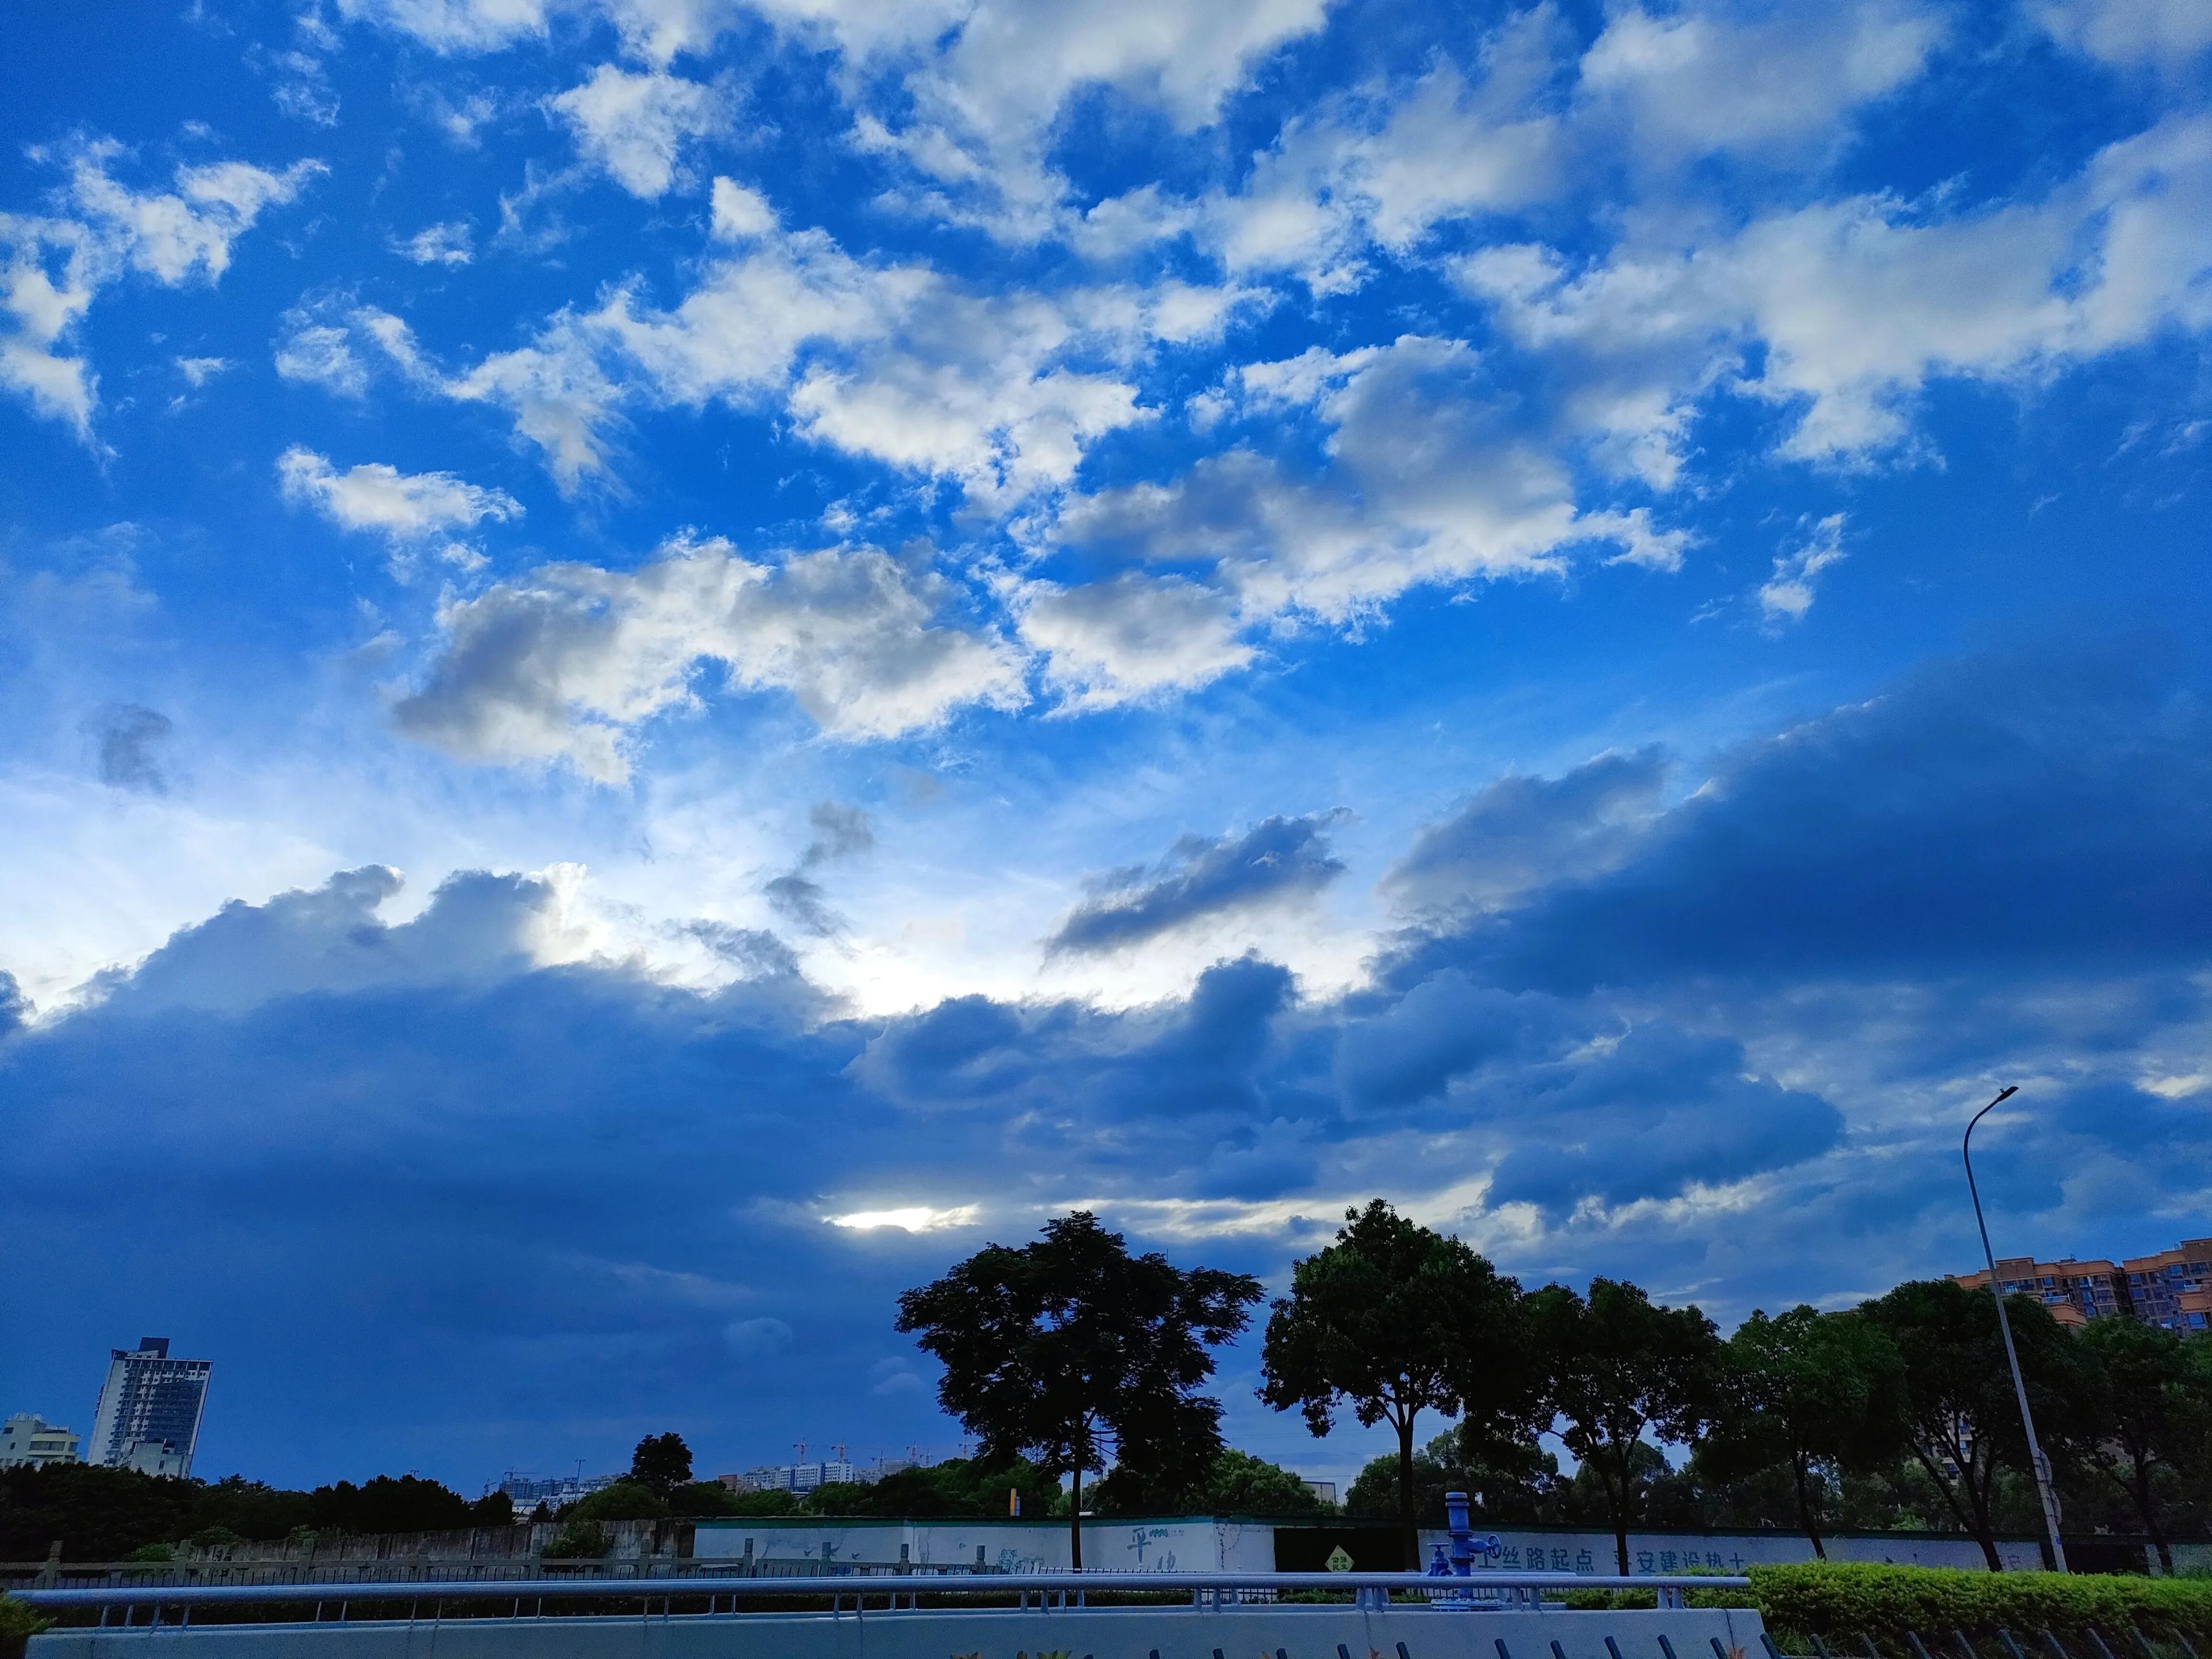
point(2035, 1457)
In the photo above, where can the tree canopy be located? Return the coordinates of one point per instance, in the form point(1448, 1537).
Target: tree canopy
point(661, 1462)
point(1068, 1349)
point(1808, 1392)
point(1961, 1416)
point(2152, 1407)
point(1394, 1319)
point(1617, 1366)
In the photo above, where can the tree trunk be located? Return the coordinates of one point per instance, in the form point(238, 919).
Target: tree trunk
point(1075, 1519)
point(1409, 1532)
point(2147, 1507)
point(1978, 1494)
point(1805, 1507)
point(1617, 1502)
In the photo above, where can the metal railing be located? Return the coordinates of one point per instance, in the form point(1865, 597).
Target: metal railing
point(439, 1570)
point(899, 1591)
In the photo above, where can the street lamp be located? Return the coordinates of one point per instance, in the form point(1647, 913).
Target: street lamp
point(2035, 1457)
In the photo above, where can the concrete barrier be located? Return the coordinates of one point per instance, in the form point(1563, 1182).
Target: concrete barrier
point(1278, 1631)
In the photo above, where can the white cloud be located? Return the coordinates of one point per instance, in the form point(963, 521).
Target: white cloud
point(447, 244)
point(562, 663)
point(51, 268)
point(911, 1218)
point(1697, 81)
point(2170, 33)
point(198, 371)
point(740, 212)
point(1429, 479)
point(1859, 303)
point(1385, 168)
point(407, 509)
point(454, 26)
point(1131, 637)
point(1000, 393)
point(1787, 595)
point(632, 126)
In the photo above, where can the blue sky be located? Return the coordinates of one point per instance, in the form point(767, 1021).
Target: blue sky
point(668, 660)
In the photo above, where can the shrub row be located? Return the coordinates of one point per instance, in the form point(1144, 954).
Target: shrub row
point(1853, 1599)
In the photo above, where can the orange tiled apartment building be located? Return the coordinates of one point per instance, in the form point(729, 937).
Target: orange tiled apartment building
point(2173, 1288)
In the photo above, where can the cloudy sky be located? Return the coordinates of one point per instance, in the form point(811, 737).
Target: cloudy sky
point(668, 660)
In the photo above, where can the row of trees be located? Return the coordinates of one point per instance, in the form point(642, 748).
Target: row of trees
point(1079, 1357)
point(110, 1515)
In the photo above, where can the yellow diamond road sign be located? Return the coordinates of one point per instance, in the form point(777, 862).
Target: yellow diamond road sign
point(1340, 1560)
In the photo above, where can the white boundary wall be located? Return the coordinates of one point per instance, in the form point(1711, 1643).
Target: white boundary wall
point(1191, 1544)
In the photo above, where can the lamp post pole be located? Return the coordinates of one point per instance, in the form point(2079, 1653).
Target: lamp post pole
point(2037, 1461)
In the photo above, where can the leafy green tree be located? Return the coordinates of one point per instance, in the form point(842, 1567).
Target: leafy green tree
point(580, 1540)
point(1961, 1417)
point(250, 1509)
point(2150, 1406)
point(622, 1500)
point(98, 1514)
point(1395, 1320)
point(770, 1503)
point(494, 1508)
point(1809, 1393)
point(957, 1487)
point(702, 1498)
point(1617, 1366)
point(1069, 1348)
point(386, 1503)
point(661, 1461)
point(1236, 1484)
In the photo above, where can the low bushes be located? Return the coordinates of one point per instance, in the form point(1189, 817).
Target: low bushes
point(1842, 1599)
point(18, 1624)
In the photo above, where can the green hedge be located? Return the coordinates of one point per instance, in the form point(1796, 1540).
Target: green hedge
point(1848, 1600)
point(18, 1624)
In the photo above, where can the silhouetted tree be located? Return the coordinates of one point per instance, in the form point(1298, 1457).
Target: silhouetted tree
point(1617, 1366)
point(1394, 1319)
point(661, 1461)
point(1808, 1392)
point(1961, 1415)
point(1070, 1348)
point(2150, 1406)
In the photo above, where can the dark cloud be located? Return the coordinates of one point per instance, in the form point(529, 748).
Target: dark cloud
point(129, 739)
point(428, 1203)
point(1521, 833)
point(839, 832)
point(2012, 816)
point(1280, 859)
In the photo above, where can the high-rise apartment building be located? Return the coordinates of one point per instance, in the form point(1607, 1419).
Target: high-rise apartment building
point(149, 1417)
point(28, 1440)
point(2173, 1289)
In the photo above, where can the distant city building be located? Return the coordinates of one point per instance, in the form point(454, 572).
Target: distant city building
point(1324, 1489)
point(149, 1417)
point(528, 1492)
point(798, 1477)
point(26, 1440)
point(2173, 1289)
